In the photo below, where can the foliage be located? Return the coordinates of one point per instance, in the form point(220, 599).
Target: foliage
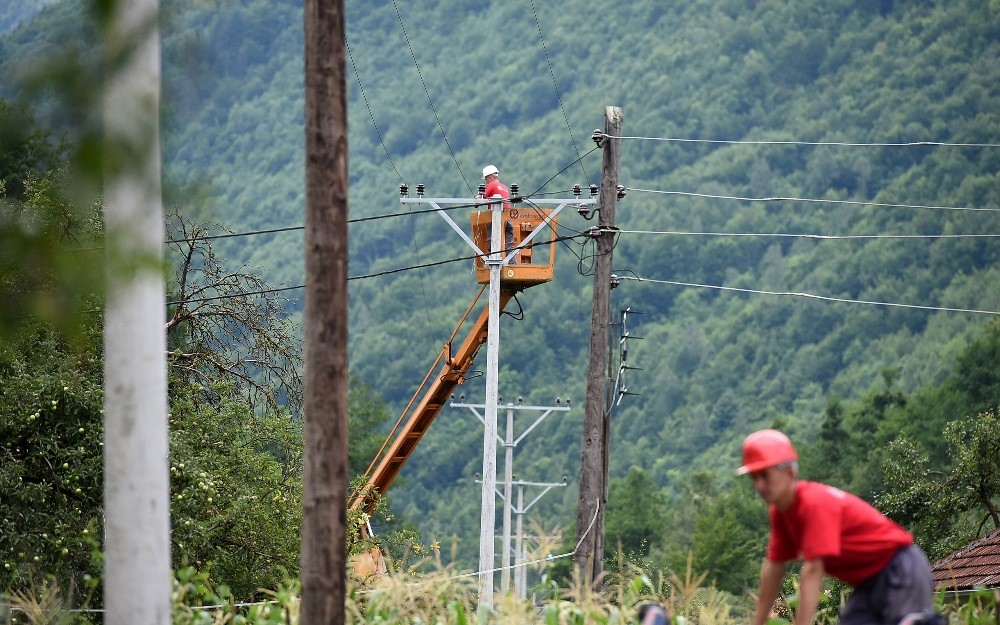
point(50, 440)
point(633, 516)
point(950, 510)
point(228, 324)
point(979, 608)
point(716, 363)
point(47, 266)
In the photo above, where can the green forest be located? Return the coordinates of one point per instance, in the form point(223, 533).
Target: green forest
point(808, 239)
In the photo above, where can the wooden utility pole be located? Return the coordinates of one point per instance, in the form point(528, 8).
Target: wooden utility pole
point(137, 569)
point(589, 559)
point(324, 515)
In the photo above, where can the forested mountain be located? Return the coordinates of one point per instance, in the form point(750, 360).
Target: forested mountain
point(813, 199)
point(13, 13)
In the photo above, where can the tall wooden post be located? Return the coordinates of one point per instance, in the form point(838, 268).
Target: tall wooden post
point(324, 518)
point(589, 559)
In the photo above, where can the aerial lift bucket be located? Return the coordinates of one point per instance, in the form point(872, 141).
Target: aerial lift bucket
point(533, 261)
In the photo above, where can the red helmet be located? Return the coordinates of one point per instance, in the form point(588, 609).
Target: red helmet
point(766, 448)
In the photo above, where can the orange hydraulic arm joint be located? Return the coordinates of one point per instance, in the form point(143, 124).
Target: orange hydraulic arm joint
point(433, 394)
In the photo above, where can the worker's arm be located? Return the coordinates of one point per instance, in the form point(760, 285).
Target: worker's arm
point(810, 585)
point(771, 574)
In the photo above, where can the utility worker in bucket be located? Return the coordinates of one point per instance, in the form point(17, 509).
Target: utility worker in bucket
point(493, 185)
point(495, 188)
point(834, 533)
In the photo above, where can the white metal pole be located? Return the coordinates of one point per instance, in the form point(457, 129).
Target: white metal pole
point(522, 571)
point(487, 526)
point(137, 573)
point(508, 467)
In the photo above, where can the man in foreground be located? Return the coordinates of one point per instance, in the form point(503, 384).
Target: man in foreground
point(833, 533)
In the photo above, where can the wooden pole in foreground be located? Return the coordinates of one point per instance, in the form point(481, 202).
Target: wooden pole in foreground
point(324, 518)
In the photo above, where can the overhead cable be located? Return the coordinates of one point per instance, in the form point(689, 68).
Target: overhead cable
point(361, 277)
point(555, 84)
point(817, 143)
point(811, 236)
point(562, 170)
point(301, 227)
point(428, 94)
point(371, 115)
point(811, 296)
point(805, 199)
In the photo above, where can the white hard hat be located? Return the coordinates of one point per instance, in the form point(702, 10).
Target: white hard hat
point(489, 170)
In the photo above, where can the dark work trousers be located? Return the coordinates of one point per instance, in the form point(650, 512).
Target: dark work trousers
point(904, 586)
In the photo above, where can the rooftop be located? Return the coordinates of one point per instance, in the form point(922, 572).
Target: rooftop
point(977, 564)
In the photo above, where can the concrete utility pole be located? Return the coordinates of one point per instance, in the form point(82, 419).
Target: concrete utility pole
point(509, 443)
point(324, 500)
point(137, 570)
point(495, 261)
point(488, 520)
point(589, 559)
point(521, 573)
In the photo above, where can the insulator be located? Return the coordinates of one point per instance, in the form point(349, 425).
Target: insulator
point(615, 281)
point(621, 191)
point(593, 190)
point(514, 189)
point(403, 190)
point(482, 188)
point(576, 190)
point(584, 212)
point(598, 137)
point(420, 190)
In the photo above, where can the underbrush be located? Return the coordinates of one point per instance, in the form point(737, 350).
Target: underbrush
point(412, 596)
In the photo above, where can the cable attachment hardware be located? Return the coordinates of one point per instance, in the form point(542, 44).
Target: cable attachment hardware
point(599, 137)
point(587, 212)
point(515, 194)
point(593, 190)
point(403, 190)
point(576, 190)
point(621, 191)
point(420, 190)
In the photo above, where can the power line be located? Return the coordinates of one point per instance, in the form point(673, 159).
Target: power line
point(195, 300)
point(818, 143)
point(361, 277)
point(578, 160)
point(301, 227)
point(811, 296)
point(805, 199)
point(230, 235)
point(428, 94)
point(555, 84)
point(371, 115)
point(824, 237)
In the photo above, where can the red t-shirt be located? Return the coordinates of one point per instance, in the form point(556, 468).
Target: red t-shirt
point(854, 539)
point(495, 187)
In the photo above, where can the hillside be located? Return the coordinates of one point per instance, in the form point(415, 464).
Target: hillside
point(14, 13)
point(754, 312)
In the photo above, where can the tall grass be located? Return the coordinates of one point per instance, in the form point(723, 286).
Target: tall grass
point(440, 596)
